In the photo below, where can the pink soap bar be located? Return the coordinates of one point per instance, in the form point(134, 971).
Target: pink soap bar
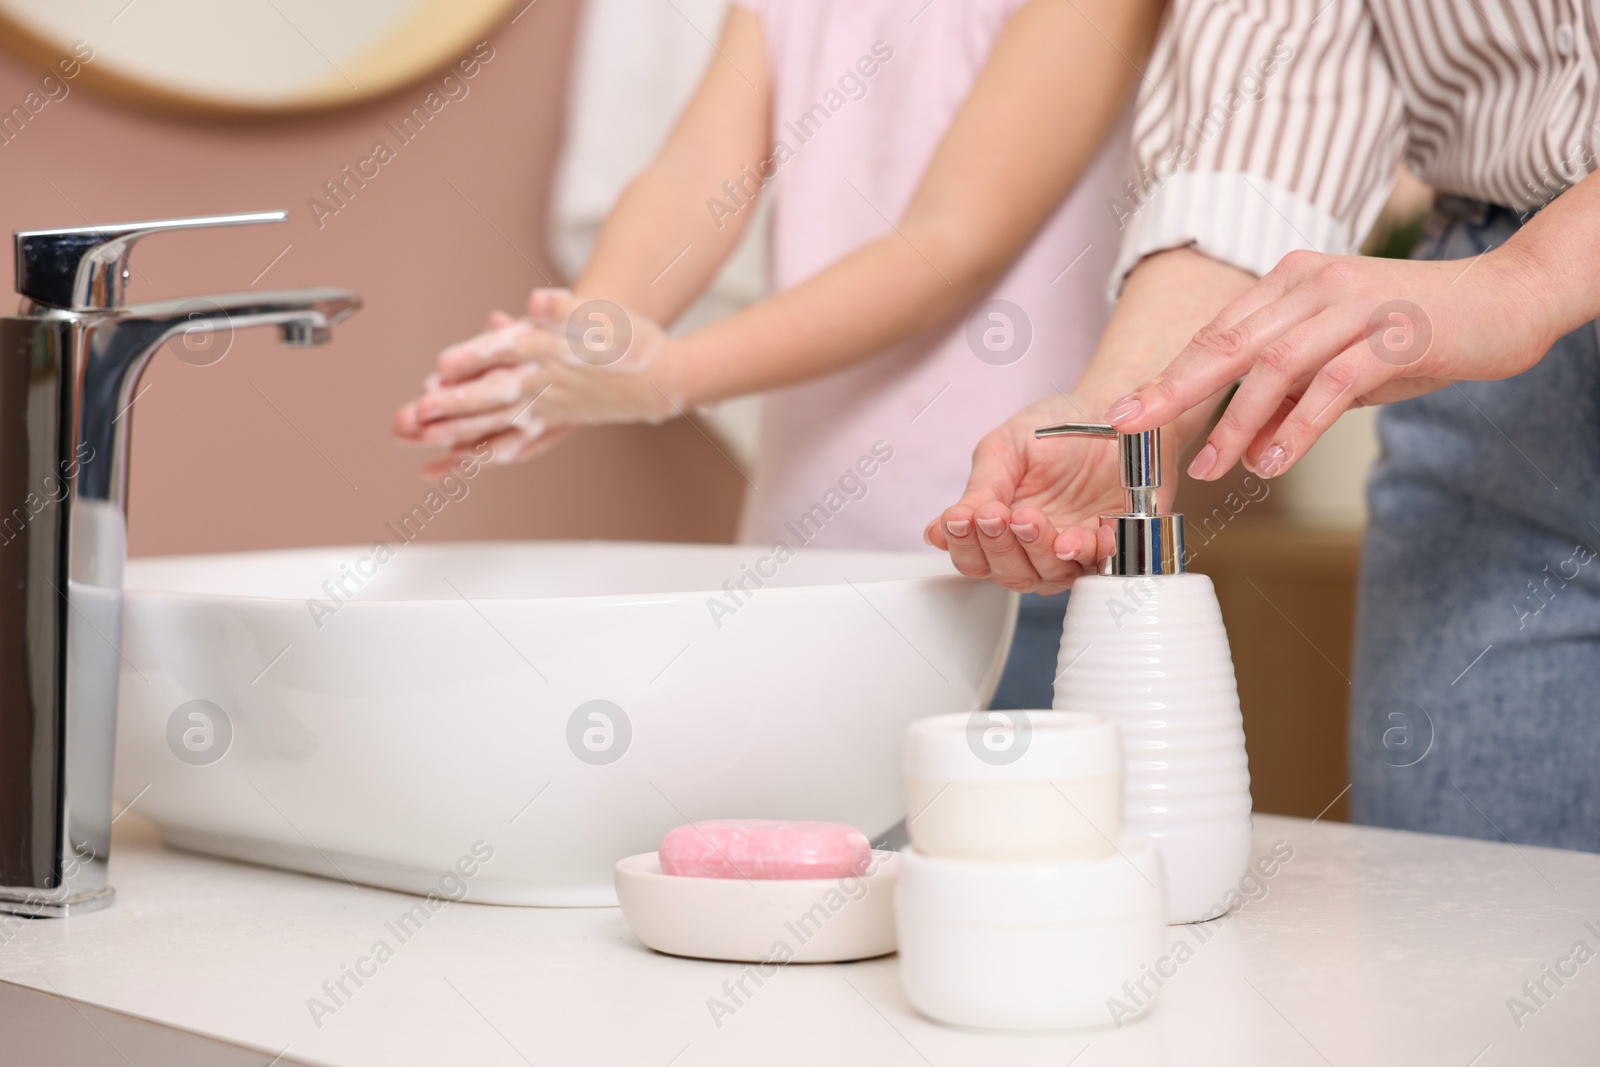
point(765, 849)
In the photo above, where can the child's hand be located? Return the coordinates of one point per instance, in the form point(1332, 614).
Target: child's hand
point(526, 383)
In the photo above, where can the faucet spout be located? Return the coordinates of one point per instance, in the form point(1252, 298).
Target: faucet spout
point(300, 309)
point(119, 342)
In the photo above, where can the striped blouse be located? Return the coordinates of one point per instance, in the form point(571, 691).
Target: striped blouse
point(1264, 126)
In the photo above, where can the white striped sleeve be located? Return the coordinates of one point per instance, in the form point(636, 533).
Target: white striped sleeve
point(1261, 128)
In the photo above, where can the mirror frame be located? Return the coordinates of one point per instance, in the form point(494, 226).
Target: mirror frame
point(434, 36)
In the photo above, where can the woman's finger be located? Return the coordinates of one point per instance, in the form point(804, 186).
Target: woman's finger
point(508, 346)
point(1333, 390)
point(515, 446)
point(407, 425)
point(1037, 535)
point(1281, 371)
point(960, 536)
point(502, 387)
point(1009, 563)
point(1267, 434)
point(494, 347)
point(1217, 355)
point(1079, 544)
point(509, 446)
point(551, 307)
point(472, 428)
point(997, 464)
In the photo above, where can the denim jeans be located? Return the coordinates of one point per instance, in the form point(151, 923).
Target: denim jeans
point(1475, 704)
point(1030, 674)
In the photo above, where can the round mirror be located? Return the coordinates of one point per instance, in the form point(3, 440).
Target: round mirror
point(270, 57)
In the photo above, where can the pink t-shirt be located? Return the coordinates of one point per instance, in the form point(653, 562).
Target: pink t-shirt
point(863, 91)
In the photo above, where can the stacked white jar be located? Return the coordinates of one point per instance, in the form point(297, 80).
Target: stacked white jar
point(1020, 905)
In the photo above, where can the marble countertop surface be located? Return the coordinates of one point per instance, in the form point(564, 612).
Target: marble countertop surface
point(1367, 947)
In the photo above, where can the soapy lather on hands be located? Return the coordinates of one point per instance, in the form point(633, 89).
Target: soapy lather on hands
point(525, 384)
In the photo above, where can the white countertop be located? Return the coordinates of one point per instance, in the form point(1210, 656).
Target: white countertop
point(1368, 947)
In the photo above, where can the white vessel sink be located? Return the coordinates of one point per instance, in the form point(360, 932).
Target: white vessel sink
point(444, 711)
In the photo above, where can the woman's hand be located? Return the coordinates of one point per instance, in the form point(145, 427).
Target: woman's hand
point(527, 383)
point(1319, 335)
point(1030, 518)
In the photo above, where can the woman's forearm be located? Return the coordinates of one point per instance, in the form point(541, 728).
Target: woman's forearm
point(660, 246)
point(874, 298)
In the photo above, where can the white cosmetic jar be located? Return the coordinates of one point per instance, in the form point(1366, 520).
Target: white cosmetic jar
point(1028, 946)
point(1014, 785)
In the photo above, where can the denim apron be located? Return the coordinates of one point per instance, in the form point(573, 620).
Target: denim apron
point(1475, 702)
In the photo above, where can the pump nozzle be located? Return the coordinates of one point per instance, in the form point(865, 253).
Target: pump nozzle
point(1147, 541)
point(1140, 455)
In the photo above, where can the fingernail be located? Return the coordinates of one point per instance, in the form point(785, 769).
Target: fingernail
point(927, 535)
point(1204, 460)
point(991, 527)
point(1067, 557)
point(1272, 461)
point(1126, 408)
point(958, 527)
point(1026, 532)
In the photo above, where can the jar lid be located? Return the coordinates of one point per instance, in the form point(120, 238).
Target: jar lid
point(1008, 746)
point(1126, 882)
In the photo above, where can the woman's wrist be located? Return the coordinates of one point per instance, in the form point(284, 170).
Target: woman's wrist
point(1542, 275)
point(677, 373)
point(1518, 283)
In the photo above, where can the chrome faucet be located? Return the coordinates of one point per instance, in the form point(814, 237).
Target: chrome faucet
point(70, 361)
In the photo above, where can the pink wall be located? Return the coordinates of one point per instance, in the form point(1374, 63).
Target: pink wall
point(274, 446)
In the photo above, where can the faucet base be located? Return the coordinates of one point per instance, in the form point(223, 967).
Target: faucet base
point(33, 904)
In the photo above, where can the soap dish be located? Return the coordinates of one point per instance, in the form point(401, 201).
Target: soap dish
point(822, 920)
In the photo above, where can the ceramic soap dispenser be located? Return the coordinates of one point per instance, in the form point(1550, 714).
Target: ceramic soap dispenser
point(1144, 643)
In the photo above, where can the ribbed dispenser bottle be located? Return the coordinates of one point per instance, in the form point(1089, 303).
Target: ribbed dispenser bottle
point(1144, 643)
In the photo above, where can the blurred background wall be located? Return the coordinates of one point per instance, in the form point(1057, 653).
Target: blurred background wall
point(271, 446)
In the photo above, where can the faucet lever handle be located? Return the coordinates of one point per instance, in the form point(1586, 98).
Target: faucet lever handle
point(85, 268)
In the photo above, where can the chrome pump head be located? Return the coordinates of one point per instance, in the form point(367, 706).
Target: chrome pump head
point(1147, 542)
